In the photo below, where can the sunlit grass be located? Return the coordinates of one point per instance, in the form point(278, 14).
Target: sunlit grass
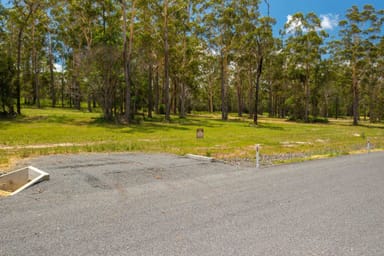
point(54, 131)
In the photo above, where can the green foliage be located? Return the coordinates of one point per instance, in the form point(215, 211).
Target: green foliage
point(203, 55)
point(162, 109)
point(7, 73)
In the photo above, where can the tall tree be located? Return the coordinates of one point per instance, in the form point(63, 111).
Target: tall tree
point(22, 12)
point(219, 32)
point(359, 29)
point(166, 60)
point(304, 49)
point(127, 53)
point(254, 33)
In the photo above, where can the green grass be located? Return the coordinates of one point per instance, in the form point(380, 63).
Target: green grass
point(54, 131)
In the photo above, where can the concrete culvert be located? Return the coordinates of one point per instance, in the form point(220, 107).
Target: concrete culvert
point(16, 181)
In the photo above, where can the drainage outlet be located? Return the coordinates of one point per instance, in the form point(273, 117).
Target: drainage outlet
point(16, 181)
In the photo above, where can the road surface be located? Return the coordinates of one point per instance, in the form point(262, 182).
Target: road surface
point(137, 204)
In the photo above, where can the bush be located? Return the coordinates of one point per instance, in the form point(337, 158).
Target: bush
point(311, 119)
point(321, 120)
point(162, 109)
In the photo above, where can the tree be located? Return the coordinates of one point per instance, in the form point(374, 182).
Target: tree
point(219, 32)
point(304, 51)
point(358, 31)
point(254, 33)
point(21, 13)
point(127, 52)
point(7, 73)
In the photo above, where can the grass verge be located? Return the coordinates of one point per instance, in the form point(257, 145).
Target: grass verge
point(58, 131)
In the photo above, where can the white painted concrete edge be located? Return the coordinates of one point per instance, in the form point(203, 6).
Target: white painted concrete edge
point(198, 157)
point(42, 176)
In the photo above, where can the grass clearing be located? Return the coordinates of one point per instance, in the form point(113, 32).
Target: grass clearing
point(57, 131)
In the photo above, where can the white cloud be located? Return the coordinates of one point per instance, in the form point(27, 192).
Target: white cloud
point(58, 67)
point(294, 24)
point(329, 21)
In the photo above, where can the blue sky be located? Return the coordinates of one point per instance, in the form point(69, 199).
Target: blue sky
point(331, 11)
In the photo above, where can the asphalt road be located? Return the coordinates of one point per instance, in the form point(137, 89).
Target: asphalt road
point(131, 204)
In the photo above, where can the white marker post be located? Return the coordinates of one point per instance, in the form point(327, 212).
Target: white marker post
point(257, 156)
point(368, 146)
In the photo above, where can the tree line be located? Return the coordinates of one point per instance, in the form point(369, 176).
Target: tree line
point(175, 56)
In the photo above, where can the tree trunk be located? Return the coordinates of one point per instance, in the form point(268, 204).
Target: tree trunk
point(35, 68)
point(257, 89)
point(18, 86)
point(76, 90)
point(182, 112)
point(166, 64)
point(157, 91)
point(239, 89)
point(307, 93)
point(51, 72)
point(355, 92)
point(223, 78)
point(174, 96)
point(127, 56)
point(19, 43)
point(150, 91)
point(271, 112)
point(211, 108)
point(210, 97)
point(89, 102)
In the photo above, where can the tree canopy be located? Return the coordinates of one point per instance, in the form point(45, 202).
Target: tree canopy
point(130, 57)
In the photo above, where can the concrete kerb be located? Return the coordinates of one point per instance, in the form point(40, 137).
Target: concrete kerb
point(201, 158)
point(16, 181)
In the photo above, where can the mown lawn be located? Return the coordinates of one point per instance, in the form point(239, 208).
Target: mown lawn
point(54, 131)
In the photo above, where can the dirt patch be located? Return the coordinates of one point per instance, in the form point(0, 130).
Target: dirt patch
point(39, 146)
point(4, 193)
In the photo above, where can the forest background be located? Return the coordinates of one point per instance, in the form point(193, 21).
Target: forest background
point(179, 56)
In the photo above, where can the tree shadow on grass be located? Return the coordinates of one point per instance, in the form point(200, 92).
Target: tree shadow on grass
point(153, 127)
point(371, 126)
point(59, 119)
point(363, 125)
point(157, 124)
point(270, 127)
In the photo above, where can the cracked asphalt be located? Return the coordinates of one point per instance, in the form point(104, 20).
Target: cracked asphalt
point(159, 204)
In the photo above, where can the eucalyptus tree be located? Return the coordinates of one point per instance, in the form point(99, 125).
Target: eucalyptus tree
point(303, 46)
point(275, 77)
point(148, 50)
point(37, 31)
point(76, 29)
point(358, 31)
point(127, 53)
point(20, 15)
point(7, 71)
point(219, 25)
point(166, 16)
point(185, 53)
point(254, 34)
point(372, 81)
